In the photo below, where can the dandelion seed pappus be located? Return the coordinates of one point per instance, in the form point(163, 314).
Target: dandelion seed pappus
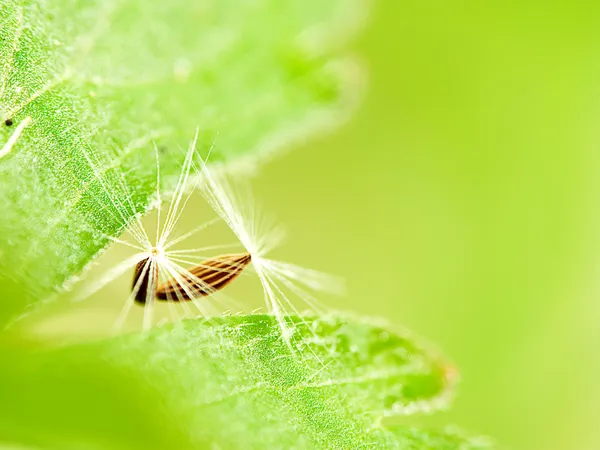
point(192, 282)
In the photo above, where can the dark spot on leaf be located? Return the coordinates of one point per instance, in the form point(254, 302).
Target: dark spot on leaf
point(8, 122)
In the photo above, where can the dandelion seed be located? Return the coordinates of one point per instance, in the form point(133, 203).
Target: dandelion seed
point(159, 272)
point(143, 280)
point(259, 236)
point(202, 280)
point(156, 261)
point(214, 274)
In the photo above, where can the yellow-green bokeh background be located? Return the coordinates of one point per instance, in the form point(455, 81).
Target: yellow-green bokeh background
point(462, 201)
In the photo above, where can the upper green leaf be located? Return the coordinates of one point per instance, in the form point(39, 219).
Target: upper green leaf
point(88, 87)
point(234, 383)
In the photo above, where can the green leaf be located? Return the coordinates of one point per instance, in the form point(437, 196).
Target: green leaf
point(88, 87)
point(52, 401)
point(231, 382)
point(234, 382)
point(407, 438)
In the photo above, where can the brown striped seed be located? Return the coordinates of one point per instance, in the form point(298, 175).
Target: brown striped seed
point(142, 281)
point(205, 279)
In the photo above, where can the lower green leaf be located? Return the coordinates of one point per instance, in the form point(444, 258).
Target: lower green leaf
point(409, 438)
point(51, 400)
point(234, 383)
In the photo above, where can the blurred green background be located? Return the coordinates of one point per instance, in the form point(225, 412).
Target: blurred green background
point(461, 201)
